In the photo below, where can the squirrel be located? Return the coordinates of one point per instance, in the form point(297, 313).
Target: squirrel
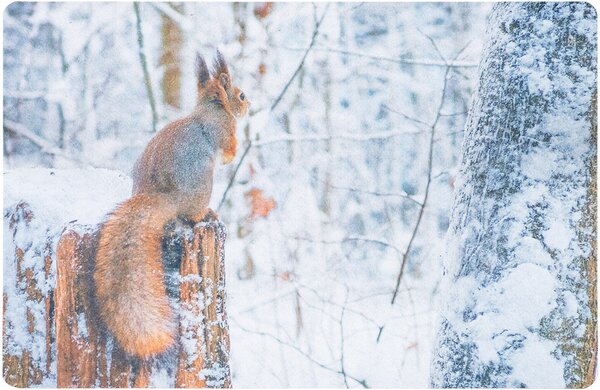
point(172, 178)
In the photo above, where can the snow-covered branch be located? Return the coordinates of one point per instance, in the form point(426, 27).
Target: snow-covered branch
point(336, 136)
point(43, 144)
point(404, 61)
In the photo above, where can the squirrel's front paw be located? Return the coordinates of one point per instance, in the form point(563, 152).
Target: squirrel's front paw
point(210, 215)
point(204, 216)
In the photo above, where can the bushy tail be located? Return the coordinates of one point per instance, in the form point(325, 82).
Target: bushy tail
point(131, 293)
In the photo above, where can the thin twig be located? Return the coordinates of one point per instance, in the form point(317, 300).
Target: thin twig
point(341, 322)
point(378, 193)
point(371, 240)
point(43, 144)
point(66, 63)
point(435, 46)
point(301, 64)
point(455, 113)
point(410, 118)
point(422, 209)
point(361, 382)
point(277, 297)
point(276, 102)
point(313, 138)
point(347, 239)
point(248, 146)
point(329, 302)
point(176, 17)
point(328, 137)
point(429, 169)
point(406, 61)
point(144, 63)
point(16, 94)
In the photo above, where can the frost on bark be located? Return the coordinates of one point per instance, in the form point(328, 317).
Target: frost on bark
point(52, 336)
point(520, 267)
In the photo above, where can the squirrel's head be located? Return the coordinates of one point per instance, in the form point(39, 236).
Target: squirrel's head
point(221, 101)
point(217, 87)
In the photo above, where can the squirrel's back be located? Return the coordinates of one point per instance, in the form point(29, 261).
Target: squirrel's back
point(179, 162)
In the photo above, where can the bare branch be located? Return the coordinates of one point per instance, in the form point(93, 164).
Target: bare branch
point(330, 302)
point(341, 322)
point(144, 63)
point(455, 113)
point(422, 62)
point(326, 137)
point(12, 22)
point(416, 120)
point(46, 147)
point(350, 238)
point(276, 102)
point(25, 94)
point(435, 46)
point(224, 196)
point(275, 298)
point(382, 194)
point(312, 138)
point(312, 42)
point(66, 63)
point(429, 173)
point(361, 382)
point(184, 23)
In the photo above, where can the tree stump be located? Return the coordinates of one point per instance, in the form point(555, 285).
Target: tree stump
point(54, 338)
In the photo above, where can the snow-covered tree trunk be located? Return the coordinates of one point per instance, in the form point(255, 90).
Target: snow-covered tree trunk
point(520, 267)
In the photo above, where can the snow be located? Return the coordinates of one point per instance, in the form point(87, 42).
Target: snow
point(56, 199)
point(342, 155)
point(558, 236)
point(215, 376)
point(160, 378)
point(538, 165)
point(511, 307)
point(536, 362)
point(532, 251)
point(59, 196)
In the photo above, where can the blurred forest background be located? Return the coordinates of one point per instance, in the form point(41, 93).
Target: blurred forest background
point(339, 197)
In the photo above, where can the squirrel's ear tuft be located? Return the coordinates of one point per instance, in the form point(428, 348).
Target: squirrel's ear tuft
point(202, 73)
point(225, 81)
point(220, 66)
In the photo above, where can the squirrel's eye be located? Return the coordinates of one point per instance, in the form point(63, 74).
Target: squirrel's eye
point(242, 96)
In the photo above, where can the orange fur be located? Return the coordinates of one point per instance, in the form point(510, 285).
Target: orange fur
point(172, 178)
point(131, 295)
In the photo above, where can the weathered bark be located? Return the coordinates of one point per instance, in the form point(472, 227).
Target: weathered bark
point(520, 267)
point(24, 367)
point(203, 325)
point(74, 350)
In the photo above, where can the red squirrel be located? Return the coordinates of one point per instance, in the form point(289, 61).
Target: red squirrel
point(172, 178)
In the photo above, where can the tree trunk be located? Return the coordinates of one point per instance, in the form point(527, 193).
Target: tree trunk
point(57, 340)
point(520, 266)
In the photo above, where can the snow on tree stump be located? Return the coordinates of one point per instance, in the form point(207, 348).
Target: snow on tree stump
point(53, 337)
